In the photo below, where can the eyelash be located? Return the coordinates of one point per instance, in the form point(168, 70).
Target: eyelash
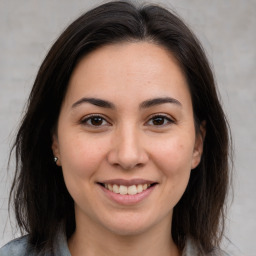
point(90, 118)
point(167, 120)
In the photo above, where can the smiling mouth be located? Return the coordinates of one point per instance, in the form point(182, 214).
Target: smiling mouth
point(127, 190)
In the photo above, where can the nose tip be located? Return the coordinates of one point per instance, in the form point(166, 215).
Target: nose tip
point(127, 163)
point(127, 153)
point(127, 159)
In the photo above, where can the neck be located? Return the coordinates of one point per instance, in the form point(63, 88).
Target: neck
point(89, 240)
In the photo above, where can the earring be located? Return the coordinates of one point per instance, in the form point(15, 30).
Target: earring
point(55, 159)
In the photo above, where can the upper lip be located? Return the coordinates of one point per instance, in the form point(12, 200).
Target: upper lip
point(127, 182)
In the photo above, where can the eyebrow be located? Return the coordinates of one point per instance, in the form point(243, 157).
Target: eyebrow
point(158, 101)
point(145, 104)
point(94, 101)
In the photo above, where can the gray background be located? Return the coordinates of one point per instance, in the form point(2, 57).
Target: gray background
point(227, 30)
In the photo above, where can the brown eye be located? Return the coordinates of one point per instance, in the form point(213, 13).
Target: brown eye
point(160, 120)
point(94, 121)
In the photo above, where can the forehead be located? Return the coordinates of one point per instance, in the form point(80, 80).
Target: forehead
point(139, 69)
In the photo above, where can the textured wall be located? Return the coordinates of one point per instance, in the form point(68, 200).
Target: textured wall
point(227, 31)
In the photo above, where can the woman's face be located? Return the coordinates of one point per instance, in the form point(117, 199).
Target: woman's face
point(126, 138)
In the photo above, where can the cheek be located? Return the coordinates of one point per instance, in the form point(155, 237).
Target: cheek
point(81, 159)
point(81, 156)
point(174, 162)
point(174, 156)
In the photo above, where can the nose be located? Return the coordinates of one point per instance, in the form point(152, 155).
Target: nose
point(127, 150)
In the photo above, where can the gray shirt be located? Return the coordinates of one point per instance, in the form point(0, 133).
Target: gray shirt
point(21, 247)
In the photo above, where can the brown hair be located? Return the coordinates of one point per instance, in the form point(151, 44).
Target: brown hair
point(41, 199)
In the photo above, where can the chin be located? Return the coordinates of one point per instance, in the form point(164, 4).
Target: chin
point(128, 230)
point(130, 225)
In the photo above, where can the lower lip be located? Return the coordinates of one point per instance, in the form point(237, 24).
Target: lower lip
point(128, 199)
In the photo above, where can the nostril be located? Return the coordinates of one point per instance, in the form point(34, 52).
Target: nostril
point(126, 158)
point(128, 167)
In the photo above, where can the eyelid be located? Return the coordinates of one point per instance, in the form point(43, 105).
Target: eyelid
point(167, 117)
point(87, 117)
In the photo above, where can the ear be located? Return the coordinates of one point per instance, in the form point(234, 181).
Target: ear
point(55, 149)
point(199, 144)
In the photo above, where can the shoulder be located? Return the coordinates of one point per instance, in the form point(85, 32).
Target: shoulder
point(17, 247)
point(22, 247)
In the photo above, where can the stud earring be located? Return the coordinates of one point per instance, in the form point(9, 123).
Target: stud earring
point(55, 159)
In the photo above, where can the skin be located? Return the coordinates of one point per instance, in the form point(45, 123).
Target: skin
point(128, 141)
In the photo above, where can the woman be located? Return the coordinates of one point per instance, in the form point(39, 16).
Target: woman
point(124, 146)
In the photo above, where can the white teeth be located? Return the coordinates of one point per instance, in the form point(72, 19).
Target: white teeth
point(124, 190)
point(132, 190)
point(139, 188)
point(116, 189)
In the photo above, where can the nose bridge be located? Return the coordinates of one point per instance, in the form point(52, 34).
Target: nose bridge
point(127, 150)
point(128, 143)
